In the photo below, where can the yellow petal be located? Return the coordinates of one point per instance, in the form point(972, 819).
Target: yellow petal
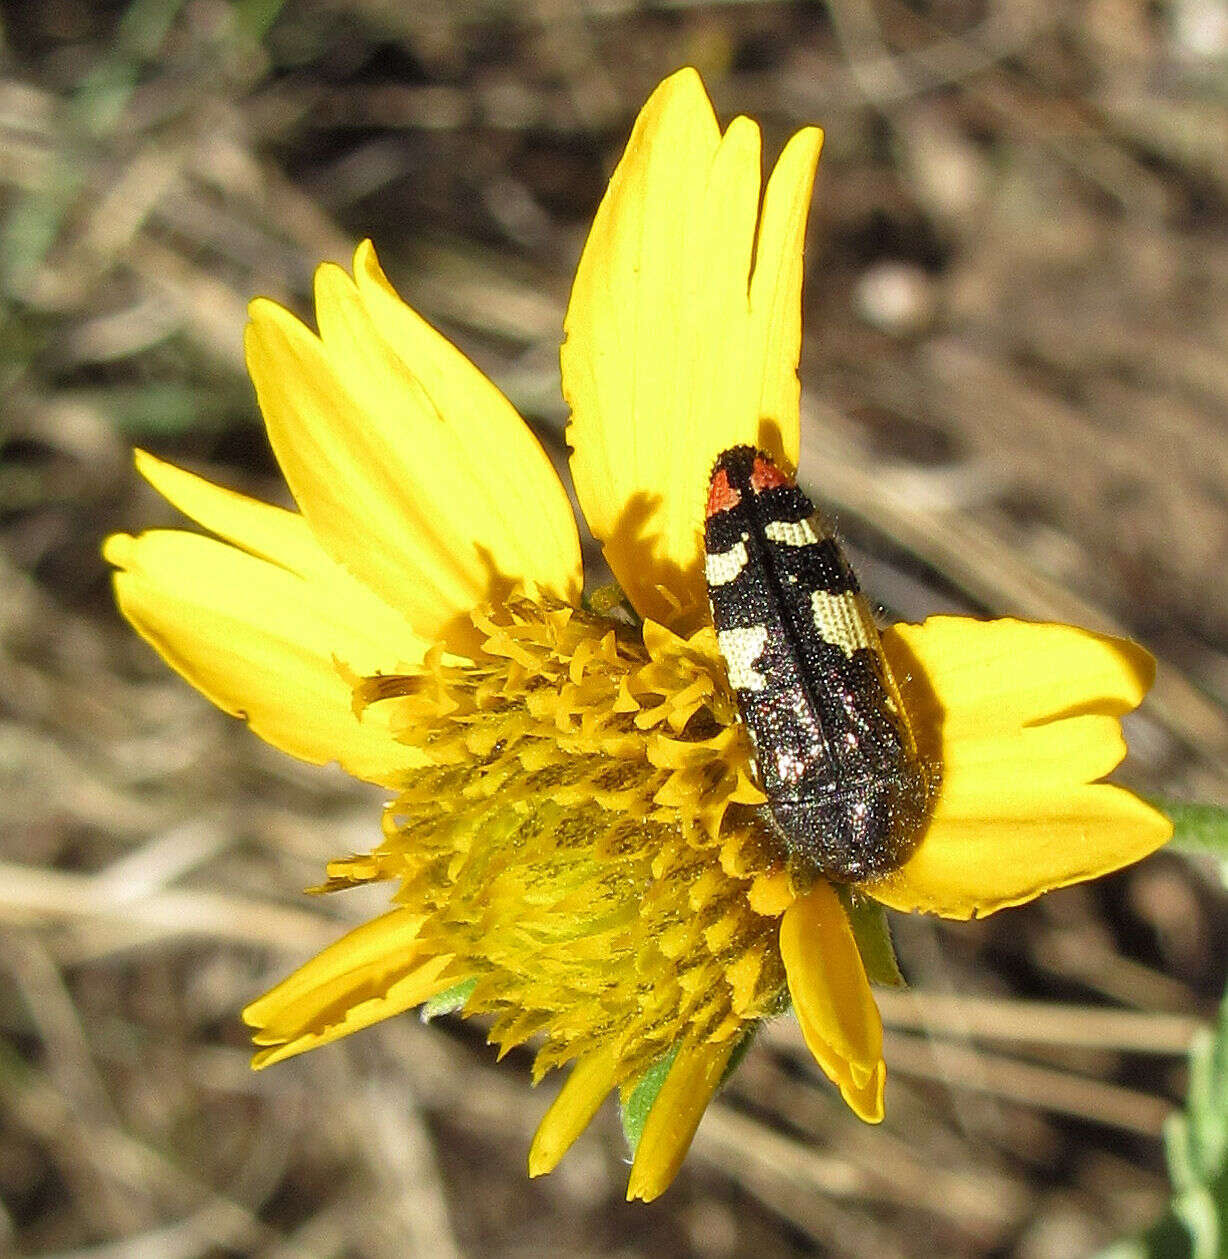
point(515, 480)
point(416, 475)
point(589, 1084)
point(1022, 720)
point(832, 998)
point(693, 1079)
point(375, 971)
point(975, 678)
point(265, 644)
point(776, 289)
point(983, 852)
point(674, 350)
point(272, 533)
point(284, 538)
point(391, 935)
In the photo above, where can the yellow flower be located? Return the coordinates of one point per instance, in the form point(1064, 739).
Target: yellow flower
point(573, 829)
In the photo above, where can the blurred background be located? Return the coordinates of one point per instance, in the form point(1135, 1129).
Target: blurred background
point(1015, 394)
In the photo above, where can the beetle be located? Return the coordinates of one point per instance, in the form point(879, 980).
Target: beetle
point(847, 793)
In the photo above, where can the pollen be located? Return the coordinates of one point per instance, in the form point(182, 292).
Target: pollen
point(584, 843)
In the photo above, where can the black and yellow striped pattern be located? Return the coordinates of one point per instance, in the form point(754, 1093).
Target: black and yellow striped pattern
point(837, 758)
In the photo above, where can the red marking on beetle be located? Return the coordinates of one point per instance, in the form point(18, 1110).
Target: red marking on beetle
point(765, 475)
point(721, 495)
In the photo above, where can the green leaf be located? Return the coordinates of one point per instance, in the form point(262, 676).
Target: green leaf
point(254, 17)
point(740, 1050)
point(1197, 1146)
point(1197, 827)
point(449, 1001)
point(640, 1098)
point(1195, 1226)
point(873, 935)
point(157, 409)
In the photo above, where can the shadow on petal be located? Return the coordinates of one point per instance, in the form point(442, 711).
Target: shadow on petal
point(660, 589)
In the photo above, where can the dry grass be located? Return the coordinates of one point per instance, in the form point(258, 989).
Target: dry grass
point(1016, 396)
